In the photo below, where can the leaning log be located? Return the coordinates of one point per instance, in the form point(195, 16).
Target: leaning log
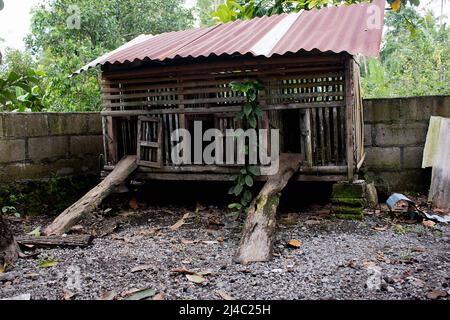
point(91, 200)
point(8, 247)
point(56, 241)
point(257, 237)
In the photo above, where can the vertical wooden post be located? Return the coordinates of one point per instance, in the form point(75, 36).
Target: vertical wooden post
point(349, 123)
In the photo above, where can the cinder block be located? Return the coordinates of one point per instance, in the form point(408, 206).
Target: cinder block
point(20, 125)
point(382, 110)
point(23, 171)
point(70, 123)
point(47, 147)
point(383, 158)
point(368, 134)
point(412, 157)
point(12, 150)
point(80, 145)
point(440, 106)
point(411, 134)
point(94, 123)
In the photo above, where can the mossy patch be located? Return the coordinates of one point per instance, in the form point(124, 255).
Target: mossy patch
point(352, 202)
point(347, 190)
point(349, 216)
point(345, 212)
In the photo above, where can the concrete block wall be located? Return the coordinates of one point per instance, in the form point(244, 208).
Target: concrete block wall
point(395, 133)
point(40, 145)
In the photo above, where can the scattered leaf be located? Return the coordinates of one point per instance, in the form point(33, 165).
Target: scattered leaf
point(185, 241)
point(428, 223)
point(107, 210)
point(68, 295)
point(3, 268)
point(133, 203)
point(183, 270)
point(224, 295)
point(295, 243)
point(159, 296)
point(36, 232)
point(48, 263)
point(195, 278)
point(312, 222)
point(383, 228)
point(31, 275)
point(141, 268)
point(369, 264)
point(108, 295)
point(180, 222)
point(436, 294)
point(210, 242)
point(220, 239)
point(142, 294)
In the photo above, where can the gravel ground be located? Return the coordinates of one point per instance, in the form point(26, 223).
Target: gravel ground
point(380, 257)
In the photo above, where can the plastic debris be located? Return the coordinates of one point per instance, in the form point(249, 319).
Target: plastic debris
point(396, 197)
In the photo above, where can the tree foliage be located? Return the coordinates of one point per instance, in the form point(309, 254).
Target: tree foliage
point(60, 47)
point(411, 63)
point(248, 9)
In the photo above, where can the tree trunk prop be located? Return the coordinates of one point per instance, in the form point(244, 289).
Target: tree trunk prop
point(257, 237)
point(91, 200)
point(8, 247)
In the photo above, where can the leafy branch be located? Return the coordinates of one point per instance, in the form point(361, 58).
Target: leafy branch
point(249, 114)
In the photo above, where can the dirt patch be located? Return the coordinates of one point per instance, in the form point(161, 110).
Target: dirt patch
point(376, 258)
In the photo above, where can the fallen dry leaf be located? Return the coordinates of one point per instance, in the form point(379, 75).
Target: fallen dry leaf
point(142, 294)
point(311, 222)
point(195, 278)
point(108, 295)
point(128, 292)
point(183, 270)
point(68, 295)
point(383, 228)
point(220, 239)
point(216, 221)
point(428, 223)
point(224, 295)
point(185, 241)
point(369, 264)
point(133, 203)
point(124, 239)
point(180, 222)
point(141, 268)
point(159, 296)
point(210, 242)
point(436, 294)
point(295, 243)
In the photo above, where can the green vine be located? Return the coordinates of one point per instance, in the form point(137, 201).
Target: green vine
point(249, 114)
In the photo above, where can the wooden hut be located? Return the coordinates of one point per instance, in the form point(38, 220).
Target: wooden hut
point(306, 62)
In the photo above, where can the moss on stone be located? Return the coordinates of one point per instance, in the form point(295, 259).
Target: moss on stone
point(349, 216)
point(352, 202)
point(347, 210)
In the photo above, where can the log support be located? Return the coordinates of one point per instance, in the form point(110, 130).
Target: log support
point(257, 237)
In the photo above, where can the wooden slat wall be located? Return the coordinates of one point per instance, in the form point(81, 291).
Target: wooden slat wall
point(313, 83)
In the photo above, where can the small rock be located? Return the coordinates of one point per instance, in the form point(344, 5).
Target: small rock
point(390, 289)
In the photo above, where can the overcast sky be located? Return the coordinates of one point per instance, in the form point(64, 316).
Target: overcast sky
point(15, 19)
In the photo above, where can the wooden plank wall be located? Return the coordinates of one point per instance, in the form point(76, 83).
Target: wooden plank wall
point(314, 84)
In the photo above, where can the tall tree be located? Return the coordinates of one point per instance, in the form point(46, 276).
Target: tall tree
point(412, 63)
point(66, 34)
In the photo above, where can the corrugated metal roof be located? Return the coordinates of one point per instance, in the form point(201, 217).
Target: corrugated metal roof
point(356, 28)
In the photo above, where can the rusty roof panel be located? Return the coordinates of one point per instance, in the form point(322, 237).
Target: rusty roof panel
point(345, 28)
